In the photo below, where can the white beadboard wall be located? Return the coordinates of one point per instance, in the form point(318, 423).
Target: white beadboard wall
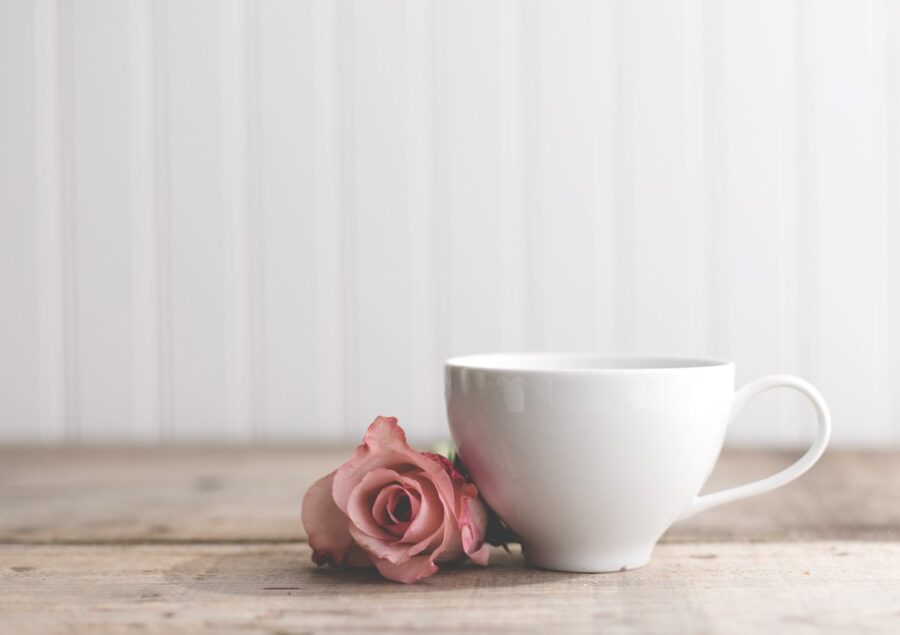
point(251, 220)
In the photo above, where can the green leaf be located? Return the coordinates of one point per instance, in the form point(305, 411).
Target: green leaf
point(446, 449)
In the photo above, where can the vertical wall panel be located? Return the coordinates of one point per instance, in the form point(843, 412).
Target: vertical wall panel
point(197, 221)
point(68, 223)
point(754, 205)
point(273, 220)
point(330, 346)
point(288, 197)
point(891, 34)
point(163, 249)
point(479, 176)
point(20, 388)
point(100, 103)
point(572, 217)
point(606, 147)
point(512, 150)
point(845, 260)
point(240, 223)
point(377, 73)
point(427, 407)
point(50, 154)
point(666, 278)
point(881, 45)
point(255, 226)
point(144, 206)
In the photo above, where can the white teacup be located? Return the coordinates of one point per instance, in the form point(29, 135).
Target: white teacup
point(589, 459)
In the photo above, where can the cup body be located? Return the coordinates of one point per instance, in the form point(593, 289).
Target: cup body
point(589, 459)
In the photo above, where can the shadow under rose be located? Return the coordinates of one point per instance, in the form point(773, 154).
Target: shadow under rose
point(282, 570)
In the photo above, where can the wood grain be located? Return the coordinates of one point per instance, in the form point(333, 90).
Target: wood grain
point(179, 494)
point(110, 495)
point(187, 540)
point(723, 588)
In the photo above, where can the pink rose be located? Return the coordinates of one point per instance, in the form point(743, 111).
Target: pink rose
point(399, 509)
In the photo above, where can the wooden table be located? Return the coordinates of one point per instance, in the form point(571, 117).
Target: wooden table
point(208, 539)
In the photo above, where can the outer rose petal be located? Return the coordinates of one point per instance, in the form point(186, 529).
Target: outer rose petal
point(430, 517)
point(412, 570)
point(472, 525)
point(418, 567)
point(385, 446)
point(326, 525)
point(378, 549)
point(445, 463)
point(451, 547)
point(470, 511)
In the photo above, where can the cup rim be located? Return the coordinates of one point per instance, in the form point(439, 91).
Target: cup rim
point(579, 362)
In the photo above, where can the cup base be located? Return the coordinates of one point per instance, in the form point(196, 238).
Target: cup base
point(611, 562)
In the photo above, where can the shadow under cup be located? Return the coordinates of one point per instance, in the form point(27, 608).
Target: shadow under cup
point(589, 459)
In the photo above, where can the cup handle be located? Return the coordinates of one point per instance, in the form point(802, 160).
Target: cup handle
point(741, 397)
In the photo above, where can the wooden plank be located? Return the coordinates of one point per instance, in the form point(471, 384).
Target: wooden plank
point(179, 494)
point(253, 494)
point(826, 587)
point(847, 495)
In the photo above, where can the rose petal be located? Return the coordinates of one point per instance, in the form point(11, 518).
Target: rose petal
point(379, 507)
point(444, 462)
point(383, 509)
point(430, 515)
point(470, 511)
point(402, 507)
point(326, 525)
point(406, 503)
point(451, 547)
point(385, 446)
point(408, 572)
point(430, 525)
point(360, 503)
point(377, 548)
point(380, 513)
point(472, 525)
point(418, 567)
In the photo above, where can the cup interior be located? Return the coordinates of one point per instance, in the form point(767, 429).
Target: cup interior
point(579, 362)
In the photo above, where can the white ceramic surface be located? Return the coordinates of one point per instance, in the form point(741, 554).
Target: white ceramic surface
point(589, 459)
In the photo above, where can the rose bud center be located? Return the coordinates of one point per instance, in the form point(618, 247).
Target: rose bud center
point(401, 510)
point(395, 507)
